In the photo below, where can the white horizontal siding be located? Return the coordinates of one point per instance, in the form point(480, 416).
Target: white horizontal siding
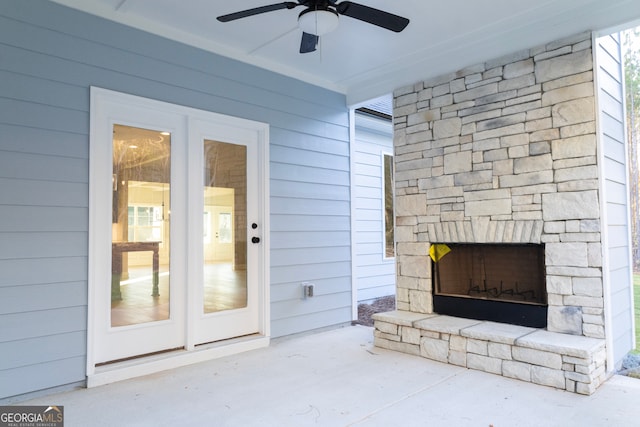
point(374, 275)
point(617, 265)
point(50, 57)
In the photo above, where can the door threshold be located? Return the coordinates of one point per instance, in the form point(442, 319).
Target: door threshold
point(138, 367)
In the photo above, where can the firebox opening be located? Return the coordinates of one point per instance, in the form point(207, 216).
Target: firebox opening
point(502, 283)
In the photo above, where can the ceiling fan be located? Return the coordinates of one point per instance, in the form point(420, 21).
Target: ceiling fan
point(321, 17)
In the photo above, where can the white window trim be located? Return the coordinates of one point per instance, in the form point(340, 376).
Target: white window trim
point(386, 258)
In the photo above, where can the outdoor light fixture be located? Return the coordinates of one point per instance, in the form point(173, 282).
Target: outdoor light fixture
point(318, 22)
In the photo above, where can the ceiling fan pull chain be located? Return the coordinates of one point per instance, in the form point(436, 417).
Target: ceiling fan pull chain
point(316, 19)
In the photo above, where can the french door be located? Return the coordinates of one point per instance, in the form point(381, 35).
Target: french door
point(177, 227)
point(225, 265)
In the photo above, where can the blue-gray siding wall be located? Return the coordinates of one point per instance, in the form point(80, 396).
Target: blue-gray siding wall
point(375, 276)
point(49, 57)
point(616, 194)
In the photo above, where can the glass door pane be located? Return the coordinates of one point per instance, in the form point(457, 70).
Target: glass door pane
point(225, 225)
point(140, 226)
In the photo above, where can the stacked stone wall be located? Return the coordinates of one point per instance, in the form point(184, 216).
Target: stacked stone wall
point(505, 152)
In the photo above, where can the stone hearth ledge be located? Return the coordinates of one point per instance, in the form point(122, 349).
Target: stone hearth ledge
point(568, 362)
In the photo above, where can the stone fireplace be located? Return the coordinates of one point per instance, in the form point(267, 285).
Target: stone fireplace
point(501, 156)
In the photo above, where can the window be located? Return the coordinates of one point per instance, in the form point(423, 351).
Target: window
point(224, 227)
point(389, 217)
point(207, 227)
point(145, 223)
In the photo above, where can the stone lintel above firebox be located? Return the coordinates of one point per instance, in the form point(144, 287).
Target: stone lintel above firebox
point(485, 230)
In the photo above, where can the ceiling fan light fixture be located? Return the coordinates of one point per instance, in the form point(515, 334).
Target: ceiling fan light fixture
point(318, 22)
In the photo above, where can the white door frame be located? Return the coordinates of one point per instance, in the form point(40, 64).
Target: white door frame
point(102, 101)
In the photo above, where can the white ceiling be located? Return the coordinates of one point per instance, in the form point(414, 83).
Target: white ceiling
point(361, 60)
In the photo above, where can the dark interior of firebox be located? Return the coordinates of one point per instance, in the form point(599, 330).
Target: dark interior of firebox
point(504, 283)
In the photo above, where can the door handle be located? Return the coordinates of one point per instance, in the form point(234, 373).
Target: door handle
point(255, 240)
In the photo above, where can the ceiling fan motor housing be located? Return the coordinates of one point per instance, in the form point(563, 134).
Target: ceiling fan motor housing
point(318, 21)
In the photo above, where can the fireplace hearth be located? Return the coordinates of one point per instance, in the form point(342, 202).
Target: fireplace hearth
point(502, 283)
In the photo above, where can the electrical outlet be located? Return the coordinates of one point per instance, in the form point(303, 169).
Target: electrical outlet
point(307, 290)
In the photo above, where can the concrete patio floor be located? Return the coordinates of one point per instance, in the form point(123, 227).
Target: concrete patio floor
point(337, 378)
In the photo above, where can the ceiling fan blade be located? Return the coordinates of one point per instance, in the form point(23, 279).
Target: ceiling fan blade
point(372, 16)
point(257, 11)
point(308, 43)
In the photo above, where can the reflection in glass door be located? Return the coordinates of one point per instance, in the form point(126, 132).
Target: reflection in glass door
point(225, 237)
point(140, 226)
